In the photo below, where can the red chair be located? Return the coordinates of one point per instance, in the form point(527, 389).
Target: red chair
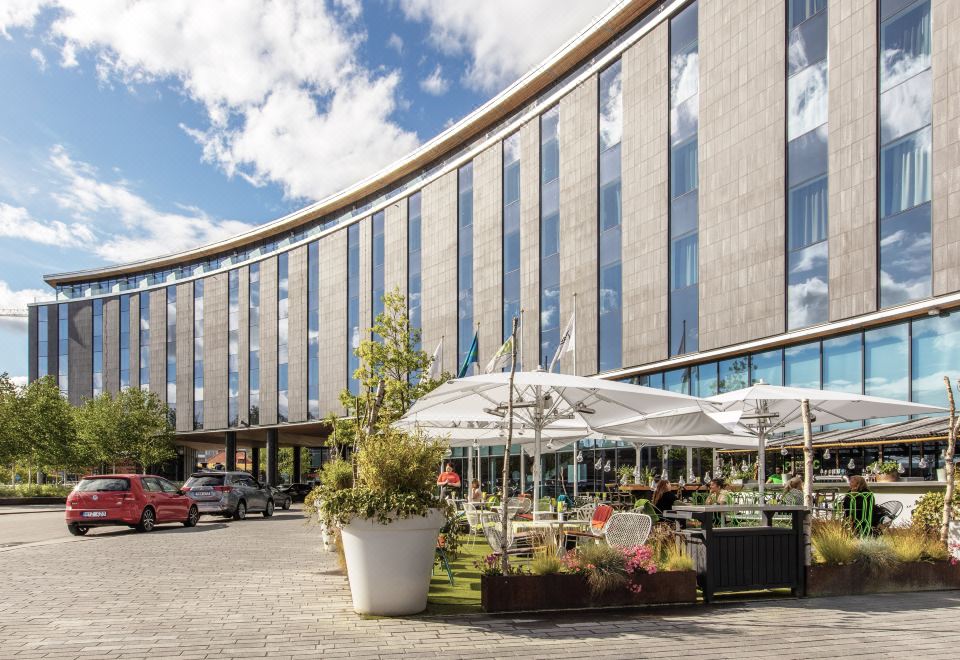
point(598, 523)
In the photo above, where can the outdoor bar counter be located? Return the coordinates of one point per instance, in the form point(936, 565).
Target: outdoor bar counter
point(745, 558)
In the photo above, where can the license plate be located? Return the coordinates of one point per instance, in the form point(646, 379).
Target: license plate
point(94, 514)
point(202, 493)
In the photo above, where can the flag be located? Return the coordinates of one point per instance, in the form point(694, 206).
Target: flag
point(436, 364)
point(470, 357)
point(501, 357)
point(568, 342)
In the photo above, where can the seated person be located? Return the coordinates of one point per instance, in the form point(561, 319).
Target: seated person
point(792, 492)
point(852, 506)
point(449, 482)
point(717, 494)
point(475, 494)
point(663, 497)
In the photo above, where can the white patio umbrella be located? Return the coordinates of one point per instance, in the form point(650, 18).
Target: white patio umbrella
point(766, 409)
point(546, 402)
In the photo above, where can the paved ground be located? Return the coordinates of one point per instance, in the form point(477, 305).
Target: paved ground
point(260, 588)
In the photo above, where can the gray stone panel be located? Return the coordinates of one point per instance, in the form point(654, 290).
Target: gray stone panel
point(578, 222)
point(215, 291)
point(366, 277)
point(333, 321)
point(158, 343)
point(185, 356)
point(645, 151)
point(244, 348)
point(111, 345)
point(742, 151)
point(32, 344)
point(946, 146)
point(268, 341)
point(488, 250)
point(395, 241)
point(80, 351)
point(135, 339)
point(439, 229)
point(530, 244)
point(297, 337)
point(853, 157)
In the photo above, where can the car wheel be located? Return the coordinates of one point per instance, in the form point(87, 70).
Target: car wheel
point(269, 510)
point(148, 519)
point(193, 517)
point(78, 530)
point(241, 511)
point(286, 505)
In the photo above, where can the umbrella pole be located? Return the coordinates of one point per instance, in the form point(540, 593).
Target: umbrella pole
point(576, 467)
point(762, 458)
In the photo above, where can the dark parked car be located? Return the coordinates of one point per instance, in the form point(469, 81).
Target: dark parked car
point(297, 491)
point(281, 498)
point(140, 501)
point(229, 494)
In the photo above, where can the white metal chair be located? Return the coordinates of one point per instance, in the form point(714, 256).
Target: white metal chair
point(476, 517)
point(625, 530)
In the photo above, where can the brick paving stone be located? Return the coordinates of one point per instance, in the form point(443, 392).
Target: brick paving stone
point(261, 588)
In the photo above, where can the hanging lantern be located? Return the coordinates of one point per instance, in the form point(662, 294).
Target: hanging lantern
point(682, 482)
point(599, 464)
point(664, 475)
point(784, 452)
point(851, 465)
point(900, 468)
point(550, 445)
point(826, 454)
point(923, 463)
point(744, 466)
point(606, 466)
point(706, 476)
point(579, 457)
point(476, 445)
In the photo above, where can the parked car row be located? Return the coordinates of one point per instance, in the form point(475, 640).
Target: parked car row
point(142, 501)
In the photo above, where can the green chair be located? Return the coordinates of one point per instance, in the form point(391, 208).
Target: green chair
point(858, 509)
point(642, 505)
point(441, 551)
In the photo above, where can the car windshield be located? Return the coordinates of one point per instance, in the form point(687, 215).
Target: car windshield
point(204, 480)
point(100, 485)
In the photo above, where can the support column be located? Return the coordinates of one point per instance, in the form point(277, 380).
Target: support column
point(272, 456)
point(231, 451)
point(295, 477)
point(255, 462)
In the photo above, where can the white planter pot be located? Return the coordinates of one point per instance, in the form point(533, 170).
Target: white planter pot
point(953, 539)
point(389, 566)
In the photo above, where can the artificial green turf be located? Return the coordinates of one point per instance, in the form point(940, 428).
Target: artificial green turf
point(463, 596)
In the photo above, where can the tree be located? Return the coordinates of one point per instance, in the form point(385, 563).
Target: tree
point(391, 365)
point(11, 447)
point(131, 427)
point(45, 426)
point(949, 468)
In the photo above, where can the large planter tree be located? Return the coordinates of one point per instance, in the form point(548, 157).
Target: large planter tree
point(389, 518)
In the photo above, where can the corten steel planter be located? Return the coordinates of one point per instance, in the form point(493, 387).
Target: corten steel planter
point(854, 579)
point(518, 593)
point(888, 476)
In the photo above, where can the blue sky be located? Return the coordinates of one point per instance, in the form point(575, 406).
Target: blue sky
point(131, 129)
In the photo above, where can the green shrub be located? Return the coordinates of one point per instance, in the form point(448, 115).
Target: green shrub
point(546, 562)
point(833, 542)
point(928, 511)
point(35, 490)
point(876, 552)
point(604, 565)
point(914, 543)
point(676, 559)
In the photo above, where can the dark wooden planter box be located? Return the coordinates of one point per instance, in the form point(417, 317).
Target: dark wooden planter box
point(571, 592)
point(852, 579)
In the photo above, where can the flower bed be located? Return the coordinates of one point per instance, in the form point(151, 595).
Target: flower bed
point(859, 578)
point(567, 591)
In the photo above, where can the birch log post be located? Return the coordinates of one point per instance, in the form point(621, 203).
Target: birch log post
point(807, 453)
point(505, 489)
point(949, 470)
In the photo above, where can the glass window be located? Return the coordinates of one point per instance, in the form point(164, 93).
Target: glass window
point(807, 156)
point(802, 366)
point(511, 232)
point(707, 381)
point(233, 348)
point(842, 364)
point(683, 168)
point(734, 374)
point(800, 10)
point(353, 305)
point(683, 262)
point(198, 354)
point(377, 265)
point(906, 107)
point(283, 335)
point(465, 328)
point(886, 362)
point(677, 380)
point(610, 250)
point(611, 322)
point(413, 263)
point(253, 335)
point(313, 330)
point(905, 173)
point(905, 45)
point(935, 352)
point(905, 257)
point(808, 213)
point(808, 42)
point(808, 300)
point(684, 328)
point(767, 367)
point(807, 94)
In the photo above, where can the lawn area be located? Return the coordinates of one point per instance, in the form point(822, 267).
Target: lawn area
point(463, 596)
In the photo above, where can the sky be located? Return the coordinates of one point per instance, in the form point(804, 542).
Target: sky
point(134, 128)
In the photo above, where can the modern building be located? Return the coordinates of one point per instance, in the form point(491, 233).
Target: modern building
point(720, 191)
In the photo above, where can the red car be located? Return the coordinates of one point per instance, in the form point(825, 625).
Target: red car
point(140, 501)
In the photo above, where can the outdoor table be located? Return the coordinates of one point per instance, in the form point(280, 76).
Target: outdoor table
point(555, 525)
point(745, 558)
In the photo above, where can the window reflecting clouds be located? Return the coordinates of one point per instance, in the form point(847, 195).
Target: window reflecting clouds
point(610, 280)
point(808, 298)
point(905, 153)
point(465, 327)
point(511, 232)
point(807, 99)
point(549, 234)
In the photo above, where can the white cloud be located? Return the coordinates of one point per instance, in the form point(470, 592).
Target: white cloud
point(18, 13)
point(129, 226)
point(395, 41)
point(435, 84)
point(16, 222)
point(39, 58)
point(19, 381)
point(502, 38)
point(286, 98)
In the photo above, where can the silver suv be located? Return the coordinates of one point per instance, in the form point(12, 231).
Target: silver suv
point(229, 494)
